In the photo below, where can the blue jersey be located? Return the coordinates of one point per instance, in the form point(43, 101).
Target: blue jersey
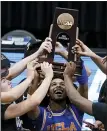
point(69, 119)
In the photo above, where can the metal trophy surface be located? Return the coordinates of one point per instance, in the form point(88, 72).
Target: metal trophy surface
point(64, 30)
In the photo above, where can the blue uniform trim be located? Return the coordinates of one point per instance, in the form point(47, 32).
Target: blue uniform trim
point(69, 119)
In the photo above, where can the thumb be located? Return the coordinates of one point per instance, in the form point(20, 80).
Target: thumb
point(80, 43)
point(48, 39)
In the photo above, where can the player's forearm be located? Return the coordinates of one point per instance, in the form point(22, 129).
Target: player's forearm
point(6, 97)
point(15, 92)
point(20, 66)
point(83, 90)
point(98, 61)
point(70, 89)
point(76, 98)
point(37, 97)
point(33, 86)
point(41, 92)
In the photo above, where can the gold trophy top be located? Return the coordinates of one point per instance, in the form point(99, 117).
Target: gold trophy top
point(65, 21)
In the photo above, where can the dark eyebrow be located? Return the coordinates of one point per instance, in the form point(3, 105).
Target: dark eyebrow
point(62, 82)
point(53, 83)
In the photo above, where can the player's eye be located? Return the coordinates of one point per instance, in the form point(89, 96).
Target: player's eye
point(53, 84)
point(62, 84)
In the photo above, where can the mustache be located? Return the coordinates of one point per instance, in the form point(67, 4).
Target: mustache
point(58, 89)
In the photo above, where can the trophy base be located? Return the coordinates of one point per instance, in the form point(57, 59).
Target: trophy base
point(58, 67)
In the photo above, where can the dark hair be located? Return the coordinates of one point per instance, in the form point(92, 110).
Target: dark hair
point(58, 75)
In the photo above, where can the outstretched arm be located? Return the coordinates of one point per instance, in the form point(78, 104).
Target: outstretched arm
point(17, 91)
point(74, 96)
point(99, 62)
point(98, 110)
point(83, 90)
point(33, 87)
point(88, 52)
point(60, 50)
point(33, 101)
point(16, 69)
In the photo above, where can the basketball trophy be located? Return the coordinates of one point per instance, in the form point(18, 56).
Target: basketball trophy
point(65, 31)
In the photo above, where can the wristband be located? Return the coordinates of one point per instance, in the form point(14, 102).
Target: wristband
point(83, 79)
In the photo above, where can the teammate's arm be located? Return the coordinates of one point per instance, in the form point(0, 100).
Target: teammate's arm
point(36, 80)
point(88, 52)
point(60, 50)
point(83, 90)
point(98, 110)
point(33, 101)
point(74, 96)
point(16, 69)
point(17, 91)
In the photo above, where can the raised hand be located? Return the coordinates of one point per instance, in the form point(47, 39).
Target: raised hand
point(83, 50)
point(31, 66)
point(70, 69)
point(45, 46)
point(47, 69)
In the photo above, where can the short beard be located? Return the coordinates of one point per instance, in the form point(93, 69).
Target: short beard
point(58, 100)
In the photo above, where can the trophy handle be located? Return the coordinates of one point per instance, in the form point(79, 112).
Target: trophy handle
point(58, 67)
point(77, 32)
point(50, 31)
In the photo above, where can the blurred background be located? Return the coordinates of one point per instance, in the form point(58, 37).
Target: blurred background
point(36, 17)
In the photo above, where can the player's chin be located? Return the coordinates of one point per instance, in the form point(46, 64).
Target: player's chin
point(59, 97)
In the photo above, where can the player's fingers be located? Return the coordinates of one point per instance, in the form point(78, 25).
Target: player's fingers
point(48, 39)
point(48, 49)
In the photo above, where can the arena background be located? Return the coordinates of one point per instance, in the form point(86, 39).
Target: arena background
point(36, 18)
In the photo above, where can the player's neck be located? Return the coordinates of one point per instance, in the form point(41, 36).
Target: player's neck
point(55, 106)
